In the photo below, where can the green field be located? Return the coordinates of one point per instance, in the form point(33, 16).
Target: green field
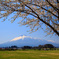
point(30, 54)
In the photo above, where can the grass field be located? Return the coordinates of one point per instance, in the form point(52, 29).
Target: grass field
point(30, 54)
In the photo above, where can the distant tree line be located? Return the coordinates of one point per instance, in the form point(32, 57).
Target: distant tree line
point(40, 47)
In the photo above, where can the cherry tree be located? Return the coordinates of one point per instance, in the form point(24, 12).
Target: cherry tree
point(37, 14)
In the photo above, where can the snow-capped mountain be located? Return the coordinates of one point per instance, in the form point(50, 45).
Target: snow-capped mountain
point(27, 41)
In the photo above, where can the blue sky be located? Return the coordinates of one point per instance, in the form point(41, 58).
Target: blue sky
point(9, 30)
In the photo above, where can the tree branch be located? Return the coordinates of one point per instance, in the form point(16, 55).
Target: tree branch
point(56, 9)
point(45, 9)
point(37, 16)
point(43, 20)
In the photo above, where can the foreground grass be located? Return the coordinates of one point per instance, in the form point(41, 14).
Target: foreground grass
point(30, 54)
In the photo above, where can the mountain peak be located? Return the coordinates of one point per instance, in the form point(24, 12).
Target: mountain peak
point(20, 37)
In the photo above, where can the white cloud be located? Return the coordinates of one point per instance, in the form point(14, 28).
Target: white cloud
point(51, 41)
point(21, 37)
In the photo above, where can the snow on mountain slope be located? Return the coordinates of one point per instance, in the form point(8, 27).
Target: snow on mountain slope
point(21, 37)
